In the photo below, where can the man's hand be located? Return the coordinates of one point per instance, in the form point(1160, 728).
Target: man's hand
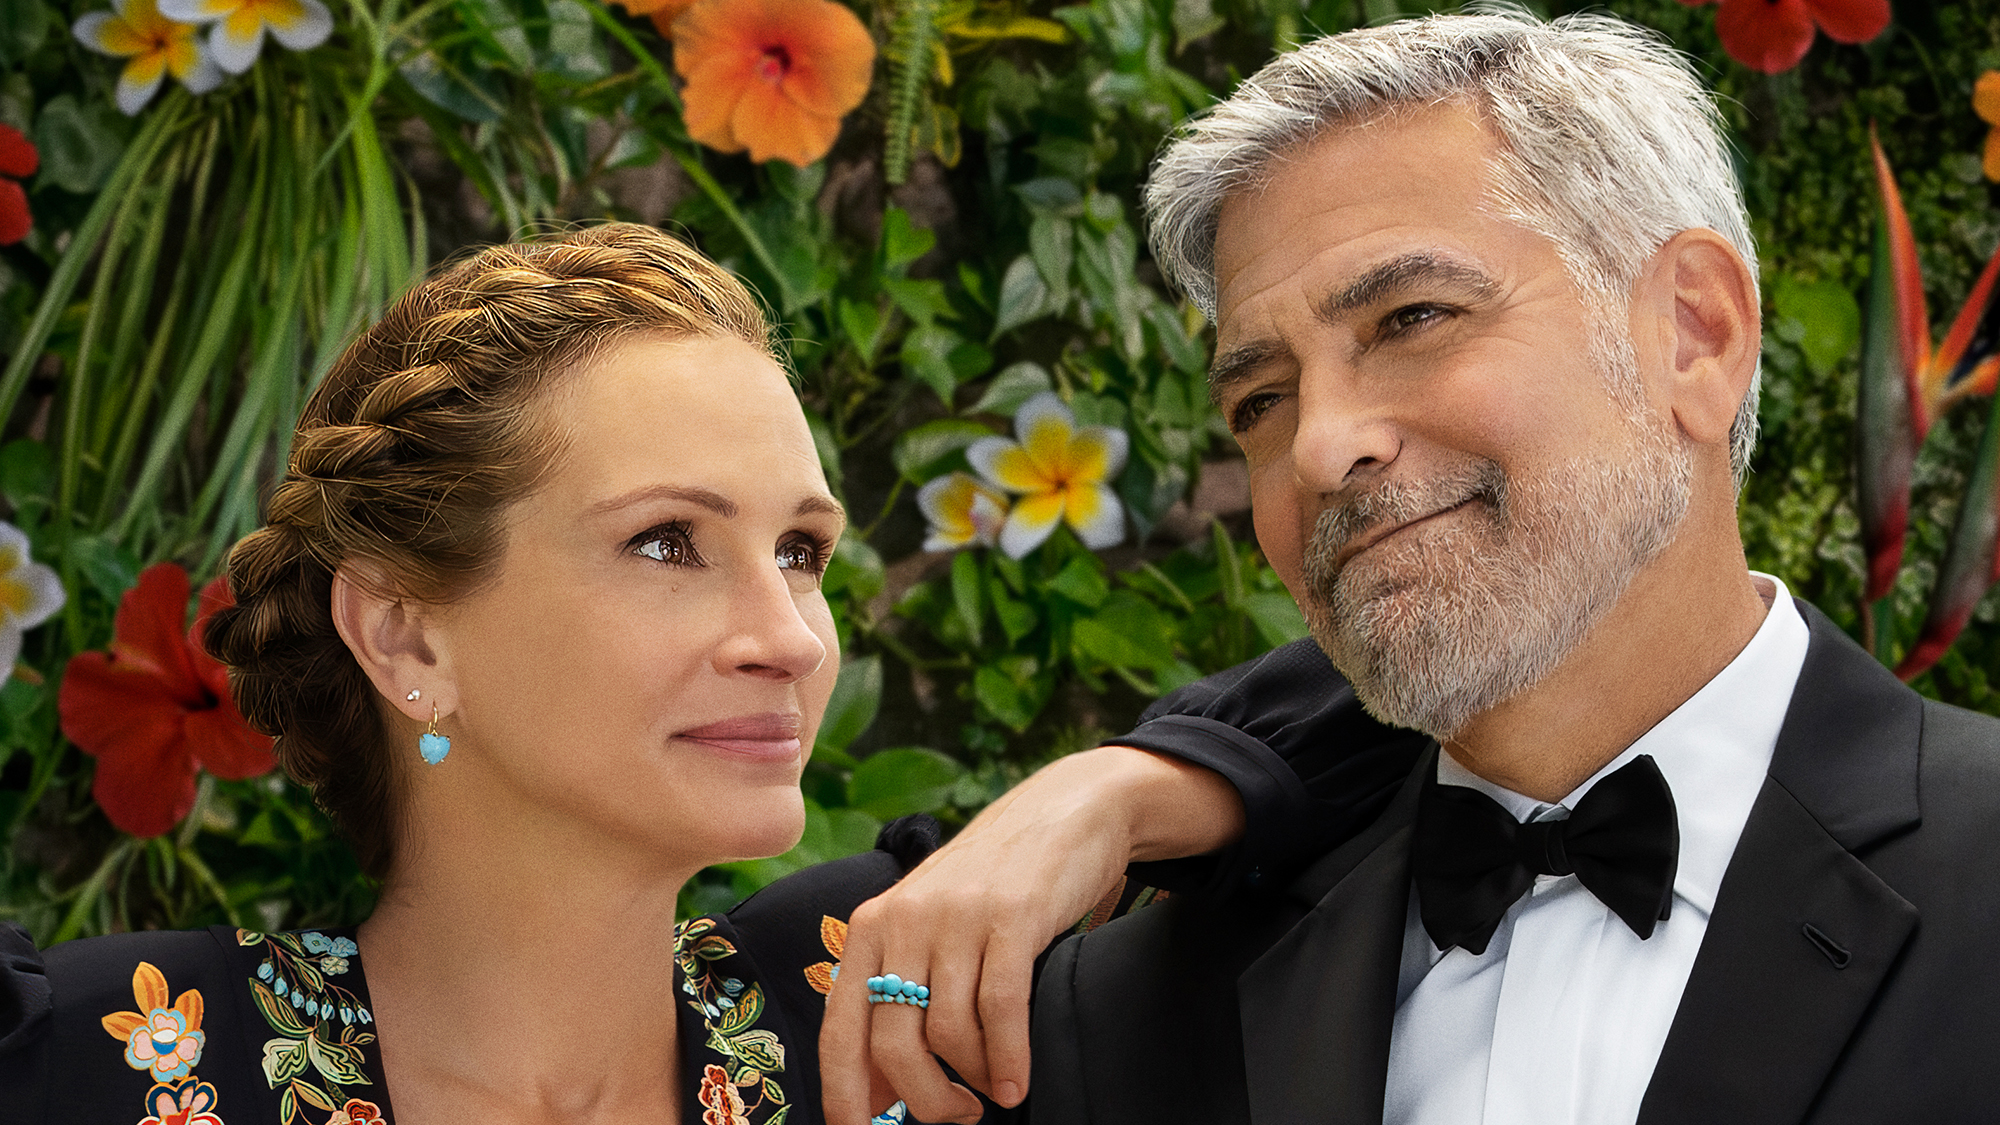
point(970, 921)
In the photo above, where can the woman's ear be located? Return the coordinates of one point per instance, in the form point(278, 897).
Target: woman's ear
point(1701, 313)
point(395, 640)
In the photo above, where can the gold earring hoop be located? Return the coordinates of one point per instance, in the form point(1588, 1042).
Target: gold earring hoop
point(432, 745)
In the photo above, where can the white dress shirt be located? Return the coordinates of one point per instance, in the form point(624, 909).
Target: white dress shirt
point(1561, 1020)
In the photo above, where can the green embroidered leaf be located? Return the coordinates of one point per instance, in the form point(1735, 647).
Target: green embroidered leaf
point(341, 1064)
point(773, 1093)
point(714, 948)
point(309, 980)
point(778, 1118)
point(760, 1049)
point(283, 1059)
point(277, 1013)
point(288, 1107)
point(747, 1076)
point(749, 1007)
point(290, 943)
point(313, 1095)
point(248, 937)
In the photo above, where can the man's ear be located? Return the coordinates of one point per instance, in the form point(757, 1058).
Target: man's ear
point(395, 640)
point(1697, 308)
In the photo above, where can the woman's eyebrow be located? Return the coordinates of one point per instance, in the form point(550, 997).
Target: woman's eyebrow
point(714, 501)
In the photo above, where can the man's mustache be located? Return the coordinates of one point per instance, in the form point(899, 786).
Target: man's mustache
point(1356, 517)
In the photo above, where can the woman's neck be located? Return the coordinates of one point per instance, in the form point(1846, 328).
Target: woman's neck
point(517, 977)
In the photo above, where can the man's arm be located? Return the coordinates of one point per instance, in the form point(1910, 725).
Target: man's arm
point(1255, 764)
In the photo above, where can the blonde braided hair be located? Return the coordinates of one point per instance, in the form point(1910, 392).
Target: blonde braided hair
point(406, 458)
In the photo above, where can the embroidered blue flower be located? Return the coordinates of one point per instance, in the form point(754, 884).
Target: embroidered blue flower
point(312, 1007)
point(298, 1000)
point(345, 947)
point(264, 972)
point(316, 942)
point(333, 964)
point(282, 986)
point(732, 986)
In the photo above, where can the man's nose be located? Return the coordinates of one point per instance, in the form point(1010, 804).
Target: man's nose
point(1342, 439)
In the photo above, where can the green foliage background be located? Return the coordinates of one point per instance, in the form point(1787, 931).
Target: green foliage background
point(972, 238)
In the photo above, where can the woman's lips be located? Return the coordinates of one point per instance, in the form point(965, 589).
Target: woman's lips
point(774, 735)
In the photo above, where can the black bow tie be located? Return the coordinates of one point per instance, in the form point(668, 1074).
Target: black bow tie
point(1472, 859)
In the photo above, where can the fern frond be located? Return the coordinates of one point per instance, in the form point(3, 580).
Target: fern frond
point(912, 44)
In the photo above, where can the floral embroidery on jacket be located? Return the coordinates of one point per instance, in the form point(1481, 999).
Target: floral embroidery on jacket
point(316, 1052)
point(164, 1040)
point(833, 935)
point(730, 1009)
point(184, 1103)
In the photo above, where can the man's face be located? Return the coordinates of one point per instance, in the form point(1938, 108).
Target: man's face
point(1455, 464)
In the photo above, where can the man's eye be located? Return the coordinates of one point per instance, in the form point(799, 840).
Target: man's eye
point(1247, 412)
point(673, 545)
point(1412, 316)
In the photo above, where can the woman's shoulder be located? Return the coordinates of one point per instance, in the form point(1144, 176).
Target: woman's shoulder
point(105, 1028)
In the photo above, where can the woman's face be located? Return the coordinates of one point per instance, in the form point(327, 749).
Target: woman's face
point(653, 658)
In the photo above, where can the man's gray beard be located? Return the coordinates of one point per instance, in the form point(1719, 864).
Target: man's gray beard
point(1445, 622)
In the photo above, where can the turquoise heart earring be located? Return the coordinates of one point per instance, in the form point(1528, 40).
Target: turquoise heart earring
point(432, 745)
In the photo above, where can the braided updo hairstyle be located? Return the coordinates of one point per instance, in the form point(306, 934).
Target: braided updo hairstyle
point(405, 461)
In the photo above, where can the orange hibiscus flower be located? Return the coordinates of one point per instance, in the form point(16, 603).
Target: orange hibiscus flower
point(771, 76)
point(156, 708)
point(1986, 103)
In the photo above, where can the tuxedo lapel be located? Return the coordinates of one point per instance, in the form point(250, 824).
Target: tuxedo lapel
point(1317, 1008)
point(1803, 933)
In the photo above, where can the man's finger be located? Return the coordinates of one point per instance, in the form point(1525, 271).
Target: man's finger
point(951, 1023)
point(904, 1055)
point(1005, 986)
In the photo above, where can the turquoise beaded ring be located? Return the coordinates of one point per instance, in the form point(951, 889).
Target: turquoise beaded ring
point(892, 989)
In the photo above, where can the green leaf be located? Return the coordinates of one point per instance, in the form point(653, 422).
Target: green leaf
point(1276, 617)
point(1821, 317)
point(1024, 296)
point(79, 144)
point(893, 783)
point(855, 569)
point(285, 1059)
point(111, 570)
point(1017, 618)
point(1082, 581)
point(27, 473)
point(340, 1064)
point(749, 1007)
point(965, 592)
point(902, 242)
point(927, 357)
point(1016, 384)
point(760, 1049)
point(1128, 632)
point(922, 453)
point(1014, 700)
point(857, 695)
point(23, 25)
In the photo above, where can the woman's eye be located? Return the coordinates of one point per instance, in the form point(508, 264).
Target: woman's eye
point(801, 555)
point(673, 545)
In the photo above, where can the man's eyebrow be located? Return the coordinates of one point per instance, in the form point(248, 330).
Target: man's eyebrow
point(1405, 271)
point(1378, 282)
point(1237, 363)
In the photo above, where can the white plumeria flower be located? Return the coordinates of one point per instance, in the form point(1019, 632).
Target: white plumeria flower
point(238, 35)
point(157, 46)
point(1060, 471)
point(30, 594)
point(963, 511)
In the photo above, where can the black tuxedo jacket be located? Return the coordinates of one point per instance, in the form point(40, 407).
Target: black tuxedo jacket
point(1850, 973)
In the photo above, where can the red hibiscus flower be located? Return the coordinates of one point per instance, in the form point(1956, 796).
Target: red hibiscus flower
point(18, 161)
point(772, 76)
point(156, 708)
point(1773, 35)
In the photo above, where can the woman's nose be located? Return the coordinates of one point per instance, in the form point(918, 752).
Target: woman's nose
point(769, 636)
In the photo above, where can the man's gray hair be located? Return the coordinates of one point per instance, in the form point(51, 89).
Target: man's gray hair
point(1609, 145)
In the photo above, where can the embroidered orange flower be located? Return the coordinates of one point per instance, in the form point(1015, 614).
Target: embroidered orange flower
point(833, 935)
point(161, 1039)
point(356, 1112)
point(771, 76)
point(1986, 103)
point(184, 1103)
point(722, 1105)
point(156, 708)
point(18, 161)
